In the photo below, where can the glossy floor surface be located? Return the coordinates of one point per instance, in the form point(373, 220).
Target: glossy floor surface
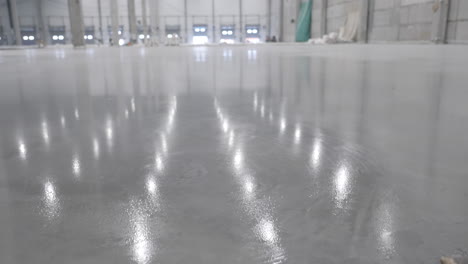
point(242, 154)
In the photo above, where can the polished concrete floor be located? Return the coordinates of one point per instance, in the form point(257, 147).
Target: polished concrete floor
point(242, 154)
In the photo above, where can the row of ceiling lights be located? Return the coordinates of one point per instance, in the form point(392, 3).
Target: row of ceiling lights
point(62, 37)
point(58, 37)
point(28, 37)
point(252, 31)
point(227, 32)
point(141, 36)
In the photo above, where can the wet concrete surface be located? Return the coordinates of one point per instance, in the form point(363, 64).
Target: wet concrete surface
point(242, 154)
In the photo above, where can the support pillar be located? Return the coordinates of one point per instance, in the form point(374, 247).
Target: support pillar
point(269, 17)
point(281, 21)
point(439, 21)
point(132, 21)
point(145, 23)
point(101, 34)
point(213, 20)
point(115, 22)
point(241, 29)
point(40, 23)
point(75, 13)
point(323, 17)
point(362, 33)
point(186, 21)
point(154, 14)
point(14, 21)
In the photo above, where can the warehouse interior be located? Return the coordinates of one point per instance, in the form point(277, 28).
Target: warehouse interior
point(233, 131)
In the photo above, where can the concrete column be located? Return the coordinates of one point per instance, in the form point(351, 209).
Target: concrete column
point(186, 21)
point(114, 6)
point(145, 23)
point(323, 17)
point(101, 34)
point(75, 13)
point(281, 20)
point(269, 17)
point(439, 21)
point(241, 26)
point(132, 20)
point(364, 21)
point(213, 15)
point(14, 21)
point(154, 13)
point(289, 20)
point(40, 23)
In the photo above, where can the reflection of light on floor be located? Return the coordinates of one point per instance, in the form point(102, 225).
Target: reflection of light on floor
point(271, 116)
point(218, 112)
point(170, 122)
point(109, 132)
point(386, 239)
point(252, 55)
point(141, 243)
point(297, 134)
point(159, 163)
point(164, 143)
point(22, 149)
point(76, 165)
point(249, 187)
point(51, 201)
point(45, 131)
point(174, 102)
point(238, 159)
point(96, 148)
point(231, 139)
point(342, 186)
point(255, 102)
point(126, 113)
point(200, 56)
point(151, 186)
point(282, 125)
point(49, 192)
point(225, 126)
point(133, 105)
point(227, 55)
point(385, 228)
point(59, 54)
point(62, 121)
point(267, 231)
point(262, 110)
point(316, 153)
point(171, 114)
point(77, 114)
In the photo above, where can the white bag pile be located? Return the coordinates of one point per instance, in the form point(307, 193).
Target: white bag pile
point(347, 34)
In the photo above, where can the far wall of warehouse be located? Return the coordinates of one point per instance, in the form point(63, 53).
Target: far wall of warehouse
point(388, 20)
point(393, 20)
point(265, 13)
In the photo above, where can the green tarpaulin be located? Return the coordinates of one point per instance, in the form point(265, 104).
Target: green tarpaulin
point(303, 22)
